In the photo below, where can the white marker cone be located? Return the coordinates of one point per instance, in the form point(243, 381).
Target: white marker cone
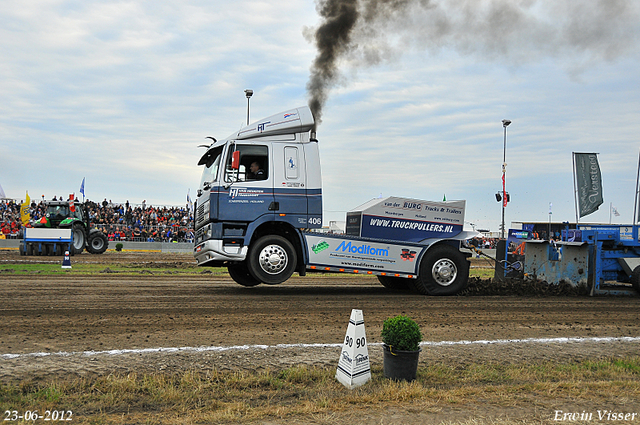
point(66, 262)
point(353, 366)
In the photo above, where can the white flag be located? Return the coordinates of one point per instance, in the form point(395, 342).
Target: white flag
point(615, 211)
point(2, 195)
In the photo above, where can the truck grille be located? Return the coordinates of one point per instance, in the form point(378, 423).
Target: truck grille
point(202, 214)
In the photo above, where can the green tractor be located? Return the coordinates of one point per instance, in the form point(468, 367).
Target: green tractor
point(74, 215)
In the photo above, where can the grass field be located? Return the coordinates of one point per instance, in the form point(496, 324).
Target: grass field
point(313, 395)
point(476, 394)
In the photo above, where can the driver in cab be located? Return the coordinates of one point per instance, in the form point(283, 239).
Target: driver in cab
point(256, 172)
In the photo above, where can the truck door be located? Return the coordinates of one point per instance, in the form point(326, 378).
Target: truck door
point(248, 187)
point(290, 180)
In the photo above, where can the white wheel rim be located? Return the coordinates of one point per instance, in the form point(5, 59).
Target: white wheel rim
point(273, 259)
point(444, 272)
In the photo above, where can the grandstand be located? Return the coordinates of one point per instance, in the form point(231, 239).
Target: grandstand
point(119, 221)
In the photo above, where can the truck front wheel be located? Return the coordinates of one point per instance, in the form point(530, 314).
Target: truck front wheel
point(240, 274)
point(272, 259)
point(444, 270)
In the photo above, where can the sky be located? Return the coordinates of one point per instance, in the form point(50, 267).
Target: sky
point(121, 93)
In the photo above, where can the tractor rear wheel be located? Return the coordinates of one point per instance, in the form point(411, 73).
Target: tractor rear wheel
point(79, 238)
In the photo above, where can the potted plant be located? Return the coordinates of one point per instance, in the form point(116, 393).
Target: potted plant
point(401, 344)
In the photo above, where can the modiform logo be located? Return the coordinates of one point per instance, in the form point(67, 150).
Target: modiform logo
point(362, 249)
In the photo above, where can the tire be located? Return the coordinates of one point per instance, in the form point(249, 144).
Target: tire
point(79, 238)
point(272, 259)
point(98, 242)
point(635, 278)
point(240, 274)
point(393, 283)
point(29, 249)
point(444, 270)
point(22, 249)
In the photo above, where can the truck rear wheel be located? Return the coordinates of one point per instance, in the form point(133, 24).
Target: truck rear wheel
point(98, 243)
point(395, 283)
point(444, 270)
point(240, 274)
point(272, 259)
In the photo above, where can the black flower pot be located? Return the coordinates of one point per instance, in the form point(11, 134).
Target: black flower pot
point(400, 365)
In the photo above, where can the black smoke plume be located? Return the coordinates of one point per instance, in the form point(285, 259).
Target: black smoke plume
point(358, 33)
point(333, 38)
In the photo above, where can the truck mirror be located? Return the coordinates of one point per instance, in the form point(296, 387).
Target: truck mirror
point(235, 160)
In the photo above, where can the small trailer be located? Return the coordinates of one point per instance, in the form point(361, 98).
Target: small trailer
point(41, 241)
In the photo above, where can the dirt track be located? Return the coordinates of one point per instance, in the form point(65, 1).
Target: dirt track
point(85, 316)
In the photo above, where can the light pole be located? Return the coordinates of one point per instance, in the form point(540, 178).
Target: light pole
point(505, 124)
point(550, 205)
point(248, 93)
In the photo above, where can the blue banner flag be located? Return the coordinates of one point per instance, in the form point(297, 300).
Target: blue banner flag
point(82, 187)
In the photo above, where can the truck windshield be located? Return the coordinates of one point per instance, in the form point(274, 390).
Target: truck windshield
point(211, 162)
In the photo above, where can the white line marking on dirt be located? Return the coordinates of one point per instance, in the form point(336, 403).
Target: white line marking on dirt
point(267, 347)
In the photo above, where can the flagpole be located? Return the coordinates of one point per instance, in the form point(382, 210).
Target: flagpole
point(610, 209)
point(575, 187)
point(635, 202)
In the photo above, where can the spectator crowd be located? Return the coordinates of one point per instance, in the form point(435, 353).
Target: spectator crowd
point(120, 222)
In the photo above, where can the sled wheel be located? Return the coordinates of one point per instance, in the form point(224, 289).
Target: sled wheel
point(272, 259)
point(635, 278)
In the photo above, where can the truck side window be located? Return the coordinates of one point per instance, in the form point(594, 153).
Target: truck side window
point(254, 163)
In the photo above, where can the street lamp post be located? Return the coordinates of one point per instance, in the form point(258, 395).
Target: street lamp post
point(505, 124)
point(248, 93)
